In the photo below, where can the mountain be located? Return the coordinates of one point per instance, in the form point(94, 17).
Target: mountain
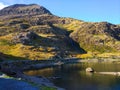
point(23, 9)
point(33, 32)
point(34, 36)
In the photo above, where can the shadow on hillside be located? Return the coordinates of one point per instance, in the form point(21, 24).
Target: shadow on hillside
point(74, 45)
point(77, 47)
point(59, 31)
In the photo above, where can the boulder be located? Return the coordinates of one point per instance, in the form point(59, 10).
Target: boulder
point(89, 69)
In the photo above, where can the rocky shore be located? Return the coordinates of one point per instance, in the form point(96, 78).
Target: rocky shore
point(13, 70)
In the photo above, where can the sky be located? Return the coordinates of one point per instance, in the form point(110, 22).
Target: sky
point(86, 10)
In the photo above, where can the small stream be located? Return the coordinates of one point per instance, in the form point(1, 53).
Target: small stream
point(74, 77)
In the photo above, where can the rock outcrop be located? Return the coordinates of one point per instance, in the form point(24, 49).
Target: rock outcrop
point(24, 37)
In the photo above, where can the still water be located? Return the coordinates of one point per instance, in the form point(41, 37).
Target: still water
point(74, 77)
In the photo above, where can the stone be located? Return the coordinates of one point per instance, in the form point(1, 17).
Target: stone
point(89, 69)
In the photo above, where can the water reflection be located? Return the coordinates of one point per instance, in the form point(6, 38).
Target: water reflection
point(74, 77)
point(43, 72)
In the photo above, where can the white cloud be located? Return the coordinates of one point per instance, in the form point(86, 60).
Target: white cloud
point(2, 5)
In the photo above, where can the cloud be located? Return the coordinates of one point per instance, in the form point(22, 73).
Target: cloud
point(2, 5)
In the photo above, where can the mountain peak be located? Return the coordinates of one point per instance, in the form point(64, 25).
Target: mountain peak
point(24, 9)
point(24, 5)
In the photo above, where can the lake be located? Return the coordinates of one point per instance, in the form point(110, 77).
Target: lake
point(74, 77)
point(11, 84)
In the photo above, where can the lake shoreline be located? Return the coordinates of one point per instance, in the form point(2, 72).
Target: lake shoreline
point(16, 72)
point(11, 69)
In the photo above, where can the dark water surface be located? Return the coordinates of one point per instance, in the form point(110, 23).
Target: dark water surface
point(74, 77)
point(10, 84)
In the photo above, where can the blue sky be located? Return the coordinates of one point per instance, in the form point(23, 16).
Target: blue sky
point(87, 10)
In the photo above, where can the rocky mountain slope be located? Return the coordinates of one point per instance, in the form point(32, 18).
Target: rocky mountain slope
point(33, 32)
point(22, 9)
point(35, 35)
point(99, 37)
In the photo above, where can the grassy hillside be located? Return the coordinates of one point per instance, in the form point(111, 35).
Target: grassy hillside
point(45, 36)
point(98, 38)
point(52, 41)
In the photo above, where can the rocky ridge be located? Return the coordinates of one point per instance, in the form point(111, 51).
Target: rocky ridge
point(23, 9)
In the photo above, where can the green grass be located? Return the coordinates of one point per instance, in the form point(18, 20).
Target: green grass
point(47, 88)
point(5, 42)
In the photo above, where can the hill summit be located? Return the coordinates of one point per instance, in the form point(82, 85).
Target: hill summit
point(20, 9)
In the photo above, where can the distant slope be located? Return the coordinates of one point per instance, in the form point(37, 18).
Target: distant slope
point(101, 37)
